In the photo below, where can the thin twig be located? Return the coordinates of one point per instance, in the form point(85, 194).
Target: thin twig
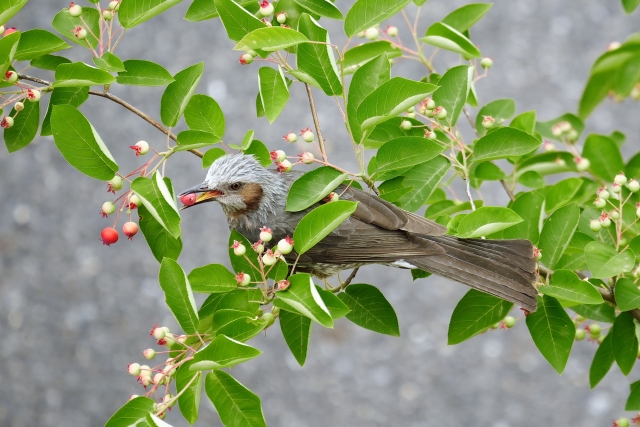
point(316, 122)
point(350, 278)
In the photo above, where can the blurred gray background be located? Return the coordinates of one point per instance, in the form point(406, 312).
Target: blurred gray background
point(73, 313)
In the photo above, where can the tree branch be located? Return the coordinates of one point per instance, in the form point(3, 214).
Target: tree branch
point(316, 122)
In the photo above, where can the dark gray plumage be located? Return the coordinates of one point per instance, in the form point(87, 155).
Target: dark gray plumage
point(378, 232)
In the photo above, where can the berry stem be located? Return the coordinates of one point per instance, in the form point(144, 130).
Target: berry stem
point(316, 123)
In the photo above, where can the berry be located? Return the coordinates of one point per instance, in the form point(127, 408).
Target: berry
point(266, 8)
point(623, 241)
point(281, 17)
point(246, 59)
point(114, 184)
point(537, 253)
point(486, 63)
point(290, 137)
point(621, 422)
point(168, 339)
point(429, 113)
point(266, 234)
point(282, 285)
point(620, 179)
point(572, 135)
point(169, 370)
point(430, 134)
point(595, 225)
point(141, 148)
point(440, 112)
point(149, 354)
point(633, 185)
point(114, 5)
point(331, 197)
point(600, 203)
point(238, 248)
point(8, 31)
point(134, 201)
point(613, 46)
point(134, 369)
point(188, 199)
point(275, 311)
point(107, 15)
point(430, 104)
point(284, 166)
point(33, 95)
point(165, 329)
point(638, 212)
point(307, 158)
point(509, 322)
point(107, 209)
point(616, 188)
point(270, 318)
point(243, 279)
point(603, 193)
point(75, 9)
point(582, 164)
point(10, 76)
point(564, 126)
point(307, 135)
point(548, 146)
point(145, 371)
point(371, 33)
point(411, 115)
point(278, 156)
point(285, 246)
point(80, 33)
point(158, 333)
point(580, 334)
point(594, 330)
point(488, 122)
point(406, 125)
point(258, 246)
point(555, 130)
point(269, 258)
point(18, 106)
point(168, 398)
point(7, 122)
point(635, 93)
point(392, 31)
point(614, 215)
point(130, 229)
point(605, 221)
point(158, 378)
point(109, 236)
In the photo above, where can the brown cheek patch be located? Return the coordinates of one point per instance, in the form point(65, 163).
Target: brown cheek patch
point(251, 196)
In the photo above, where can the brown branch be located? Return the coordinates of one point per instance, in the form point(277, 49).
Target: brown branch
point(316, 122)
point(121, 102)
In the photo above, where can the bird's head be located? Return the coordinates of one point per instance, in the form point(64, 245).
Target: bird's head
point(241, 185)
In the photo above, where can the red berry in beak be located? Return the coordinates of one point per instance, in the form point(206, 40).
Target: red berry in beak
point(109, 236)
point(188, 199)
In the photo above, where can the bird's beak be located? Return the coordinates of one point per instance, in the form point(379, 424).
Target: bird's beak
point(203, 194)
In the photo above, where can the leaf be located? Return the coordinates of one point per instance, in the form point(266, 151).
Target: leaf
point(80, 144)
point(10, 8)
point(357, 56)
point(135, 12)
point(189, 400)
point(625, 342)
point(312, 187)
point(223, 352)
point(627, 294)
point(336, 308)
point(212, 278)
point(204, 114)
point(499, 109)
point(464, 17)
point(296, 330)
point(552, 331)
point(109, 62)
point(561, 193)
point(370, 309)
point(454, 91)
point(178, 295)
point(65, 24)
point(423, 180)
point(201, 10)
point(80, 74)
point(601, 312)
point(237, 325)
point(604, 261)
point(602, 361)
point(446, 37)
point(390, 99)
point(303, 297)
point(131, 413)
point(487, 220)
point(48, 62)
point(368, 13)
point(566, 285)
point(629, 6)
point(159, 201)
point(37, 42)
point(160, 241)
point(604, 155)
point(274, 91)
point(143, 73)
point(475, 312)
point(190, 139)
point(25, 127)
point(321, 221)
point(322, 8)
point(318, 60)
point(502, 143)
point(525, 122)
point(238, 299)
point(546, 128)
point(419, 274)
point(236, 405)
point(404, 153)
point(236, 20)
point(260, 152)
point(211, 156)
point(271, 39)
point(557, 232)
point(177, 95)
point(596, 90)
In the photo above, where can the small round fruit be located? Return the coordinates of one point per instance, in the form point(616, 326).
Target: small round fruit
point(307, 135)
point(10, 77)
point(429, 113)
point(238, 248)
point(285, 246)
point(486, 63)
point(605, 222)
point(130, 229)
point(509, 322)
point(115, 183)
point(80, 33)
point(638, 212)
point(270, 318)
point(307, 158)
point(75, 10)
point(269, 258)
point(266, 234)
point(278, 155)
point(488, 122)
point(614, 214)
point(580, 334)
point(266, 8)
point(7, 122)
point(145, 371)
point(149, 354)
point(258, 247)
point(243, 279)
point(246, 59)
point(603, 193)
point(622, 422)
point(108, 208)
point(291, 137)
point(281, 17)
point(623, 241)
point(600, 203)
point(159, 333)
point(142, 147)
point(392, 31)
point(572, 135)
point(620, 179)
point(109, 236)
point(107, 15)
point(582, 164)
point(406, 125)
point(188, 199)
point(158, 378)
point(411, 115)
point(8, 31)
point(595, 225)
point(114, 5)
point(332, 197)
point(441, 114)
point(633, 185)
point(284, 166)
point(134, 369)
point(134, 201)
point(595, 330)
point(371, 33)
point(18, 106)
point(430, 134)
point(33, 95)
point(616, 188)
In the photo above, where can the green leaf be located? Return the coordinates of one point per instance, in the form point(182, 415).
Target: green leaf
point(131, 413)
point(561, 193)
point(159, 201)
point(321, 221)
point(625, 342)
point(271, 39)
point(190, 139)
point(423, 179)
point(212, 278)
point(393, 189)
point(487, 220)
point(240, 263)
point(143, 73)
point(337, 308)
point(25, 127)
point(404, 153)
point(463, 18)
point(368, 13)
point(81, 74)
point(322, 8)
point(48, 62)
point(296, 330)
point(454, 91)
point(8, 47)
point(37, 42)
point(80, 144)
point(525, 122)
point(546, 128)
point(370, 309)
point(566, 285)
point(595, 92)
point(260, 152)
point(236, 20)
point(201, 10)
point(236, 405)
point(211, 156)
point(8, 8)
point(500, 110)
point(312, 187)
point(135, 12)
point(604, 261)
point(604, 155)
point(419, 274)
point(274, 91)
point(446, 37)
point(318, 60)
point(178, 295)
point(602, 361)
point(177, 95)
point(303, 297)
point(160, 241)
point(237, 325)
point(552, 331)
point(390, 99)
point(504, 142)
point(109, 62)
point(239, 299)
point(627, 294)
point(223, 352)
point(487, 171)
point(65, 24)
point(357, 56)
point(475, 312)
point(189, 400)
point(629, 6)
point(601, 312)
point(204, 114)
point(557, 232)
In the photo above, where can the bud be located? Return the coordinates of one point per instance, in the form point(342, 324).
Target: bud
point(595, 225)
point(281, 17)
point(258, 247)
point(75, 10)
point(149, 354)
point(33, 95)
point(158, 333)
point(7, 122)
point(633, 185)
point(269, 258)
point(278, 155)
point(307, 158)
point(284, 166)
point(392, 31)
point(10, 77)
point(582, 164)
point(80, 33)
point(371, 33)
point(282, 285)
point(290, 137)
point(266, 8)
point(620, 179)
point(488, 122)
point(285, 246)
point(406, 125)
point(134, 369)
point(307, 135)
point(246, 59)
point(266, 234)
point(19, 106)
point(486, 63)
point(238, 248)
point(243, 279)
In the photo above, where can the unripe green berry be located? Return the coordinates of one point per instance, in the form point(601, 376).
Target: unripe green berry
point(595, 225)
point(108, 208)
point(307, 135)
point(281, 17)
point(614, 214)
point(107, 15)
point(371, 33)
point(243, 279)
point(441, 114)
point(238, 248)
point(270, 318)
point(307, 158)
point(622, 422)
point(115, 183)
point(7, 122)
point(134, 201)
point(582, 164)
point(246, 59)
point(623, 241)
point(486, 63)
point(620, 179)
point(134, 369)
point(285, 246)
point(600, 203)
point(275, 311)
point(392, 31)
point(633, 185)
point(406, 125)
point(429, 113)
point(509, 322)
point(430, 135)
point(411, 115)
point(616, 188)
point(572, 135)
point(291, 137)
point(266, 8)
point(114, 5)
point(75, 10)
point(605, 222)
point(580, 334)
point(269, 258)
point(603, 193)
point(149, 354)
point(488, 122)
point(594, 330)
point(18, 106)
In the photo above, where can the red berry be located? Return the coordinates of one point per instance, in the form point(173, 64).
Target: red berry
point(130, 229)
point(109, 236)
point(188, 199)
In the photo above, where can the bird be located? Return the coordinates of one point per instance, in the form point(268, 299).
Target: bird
point(377, 232)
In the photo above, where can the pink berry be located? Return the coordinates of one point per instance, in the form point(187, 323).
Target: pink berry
point(188, 199)
point(278, 155)
point(243, 279)
point(149, 354)
point(130, 229)
point(9, 30)
point(246, 59)
point(109, 236)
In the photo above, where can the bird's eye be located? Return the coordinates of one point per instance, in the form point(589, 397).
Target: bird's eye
point(236, 186)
